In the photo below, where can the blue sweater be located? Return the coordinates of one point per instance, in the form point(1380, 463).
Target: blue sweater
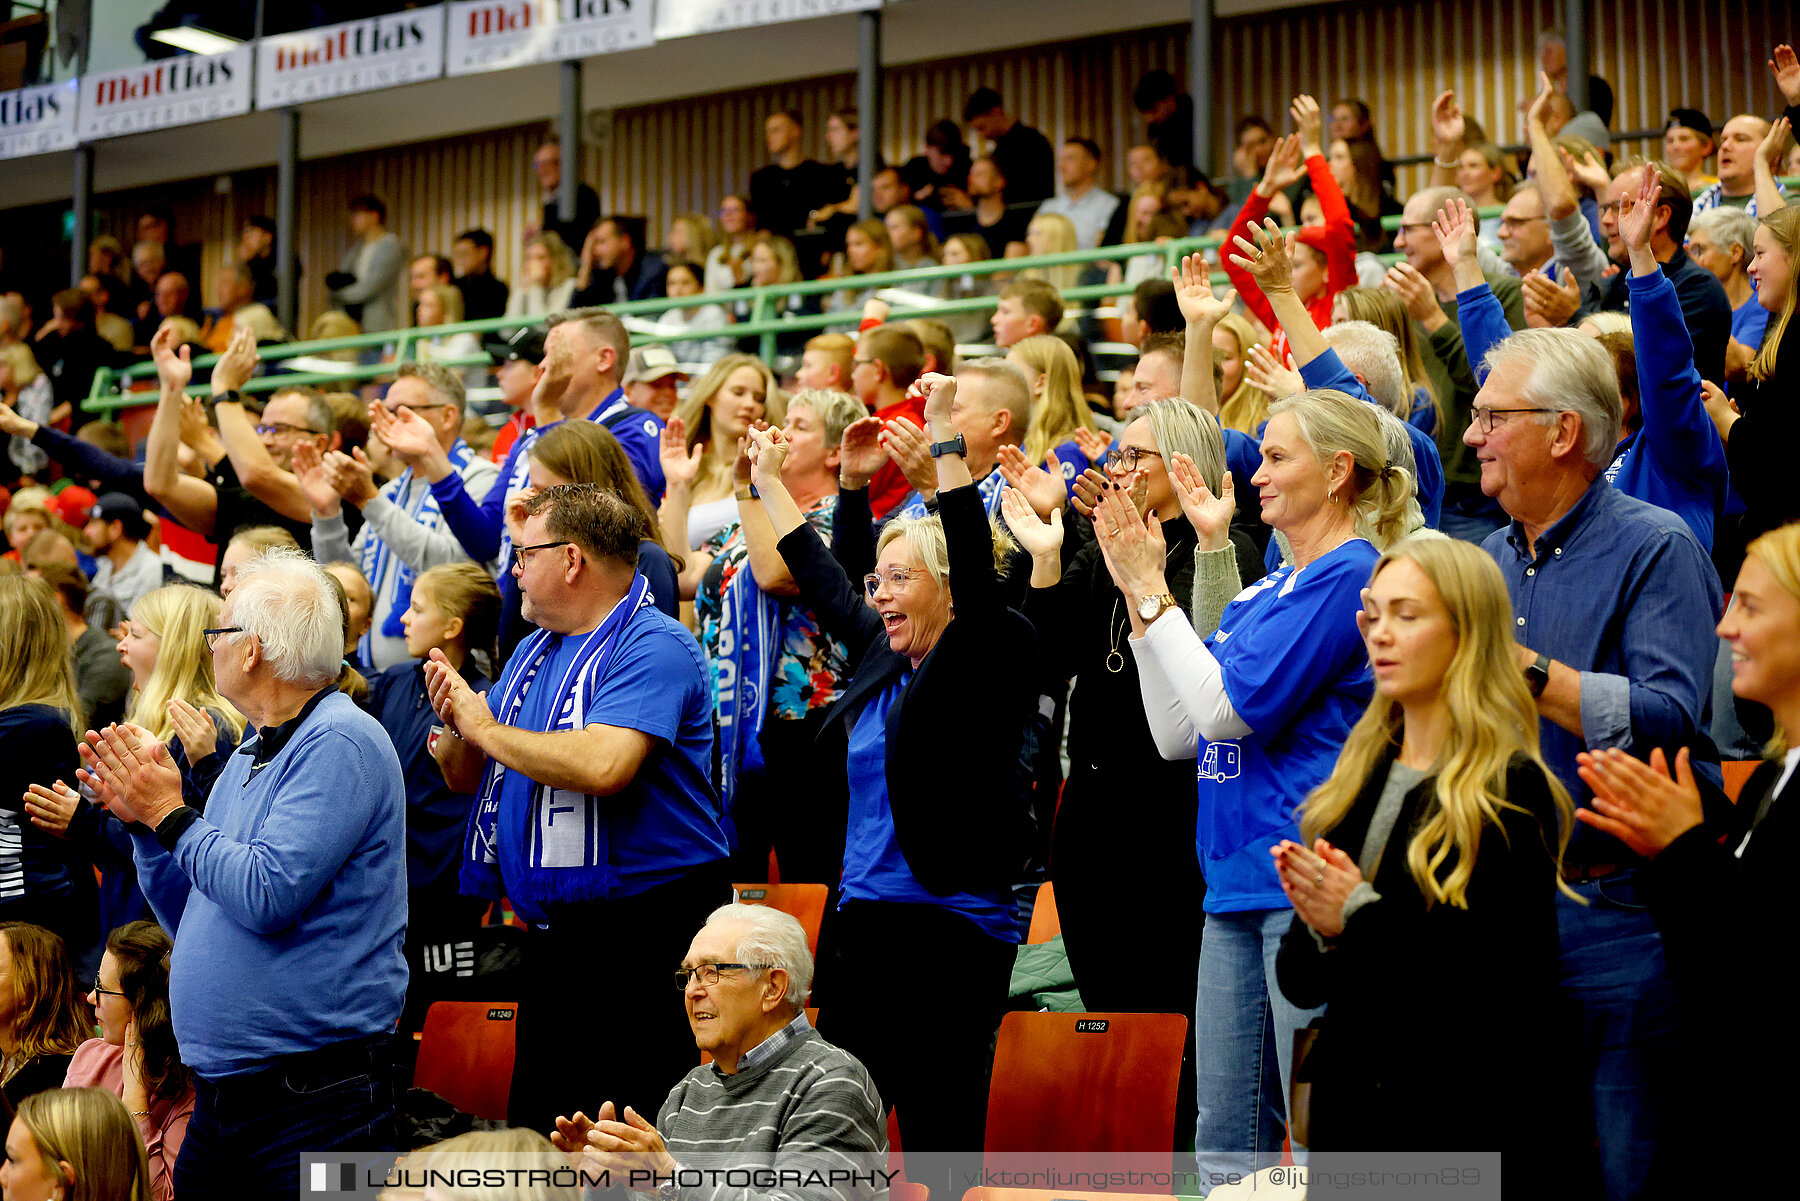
point(287, 900)
point(1675, 461)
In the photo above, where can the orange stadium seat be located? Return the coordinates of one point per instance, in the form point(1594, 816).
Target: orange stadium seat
point(1046, 924)
point(1737, 774)
point(466, 1055)
point(805, 902)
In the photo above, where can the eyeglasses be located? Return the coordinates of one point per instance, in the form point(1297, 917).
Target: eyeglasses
point(280, 429)
point(894, 577)
point(709, 973)
point(1128, 456)
point(212, 636)
point(103, 992)
point(1486, 416)
point(1515, 222)
point(518, 555)
point(441, 404)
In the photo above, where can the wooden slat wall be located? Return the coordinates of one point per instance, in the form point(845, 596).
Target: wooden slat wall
point(665, 159)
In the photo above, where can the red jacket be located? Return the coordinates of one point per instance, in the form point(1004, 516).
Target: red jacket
point(888, 487)
point(1337, 238)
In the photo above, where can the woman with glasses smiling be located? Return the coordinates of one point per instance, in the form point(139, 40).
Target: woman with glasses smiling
point(937, 818)
point(136, 1057)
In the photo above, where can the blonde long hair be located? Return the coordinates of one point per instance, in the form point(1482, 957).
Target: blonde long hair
point(1059, 232)
point(1784, 223)
point(89, 1129)
point(1059, 408)
point(1248, 406)
point(695, 411)
point(35, 665)
point(184, 667)
point(1492, 719)
point(1779, 553)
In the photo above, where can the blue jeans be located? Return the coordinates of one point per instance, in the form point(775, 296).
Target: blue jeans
point(248, 1132)
point(1614, 976)
point(1243, 1045)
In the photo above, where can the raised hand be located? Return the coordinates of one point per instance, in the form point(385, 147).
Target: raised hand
point(1455, 227)
point(1092, 443)
point(1317, 882)
point(238, 363)
point(1041, 487)
point(1540, 104)
point(1269, 260)
point(1787, 72)
point(860, 453)
point(315, 480)
point(1040, 538)
point(1193, 292)
point(768, 450)
point(1638, 803)
point(909, 448)
point(1270, 377)
point(1549, 305)
point(195, 730)
point(1135, 549)
point(939, 391)
point(1775, 145)
point(1209, 515)
point(1305, 111)
point(174, 361)
point(681, 467)
point(51, 809)
point(1284, 169)
point(1590, 171)
point(196, 427)
point(405, 433)
point(1448, 124)
point(1638, 222)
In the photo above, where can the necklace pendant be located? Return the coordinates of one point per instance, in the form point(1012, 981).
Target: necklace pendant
point(1115, 662)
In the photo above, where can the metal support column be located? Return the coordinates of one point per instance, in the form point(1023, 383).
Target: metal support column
point(81, 205)
point(1575, 37)
point(287, 171)
point(568, 133)
point(1200, 81)
point(868, 108)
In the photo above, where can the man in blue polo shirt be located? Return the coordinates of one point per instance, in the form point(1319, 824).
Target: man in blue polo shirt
point(1614, 604)
point(595, 814)
point(287, 900)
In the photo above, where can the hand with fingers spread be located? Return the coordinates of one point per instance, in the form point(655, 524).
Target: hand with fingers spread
point(51, 809)
point(631, 1149)
point(681, 466)
point(174, 361)
point(237, 364)
point(1317, 882)
point(194, 728)
point(1549, 305)
point(1041, 487)
point(1638, 803)
point(909, 448)
point(860, 453)
point(1589, 171)
point(406, 434)
point(132, 773)
point(1263, 372)
point(1042, 539)
point(1209, 515)
point(1269, 259)
point(1193, 293)
point(352, 475)
point(315, 480)
point(1455, 226)
point(1284, 168)
point(1786, 67)
point(1638, 223)
point(1092, 443)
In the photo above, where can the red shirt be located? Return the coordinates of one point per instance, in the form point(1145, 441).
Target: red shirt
point(509, 433)
point(888, 487)
point(1340, 255)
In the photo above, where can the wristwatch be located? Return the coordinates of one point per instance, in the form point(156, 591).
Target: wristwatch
point(1537, 675)
point(748, 492)
point(230, 396)
point(1150, 608)
point(955, 446)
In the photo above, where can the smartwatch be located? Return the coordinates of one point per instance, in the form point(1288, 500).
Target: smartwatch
point(1537, 675)
point(955, 446)
point(231, 396)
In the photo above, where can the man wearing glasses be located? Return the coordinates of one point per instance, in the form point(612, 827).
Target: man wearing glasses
point(1614, 604)
point(591, 759)
point(404, 531)
point(253, 482)
point(775, 1094)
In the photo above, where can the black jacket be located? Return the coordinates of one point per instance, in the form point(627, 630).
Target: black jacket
point(954, 736)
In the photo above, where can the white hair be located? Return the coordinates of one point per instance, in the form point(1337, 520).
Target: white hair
point(290, 604)
point(775, 940)
point(1372, 353)
point(1568, 372)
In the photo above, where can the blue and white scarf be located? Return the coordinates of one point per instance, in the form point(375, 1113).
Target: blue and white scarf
point(990, 498)
point(749, 641)
point(570, 860)
point(378, 557)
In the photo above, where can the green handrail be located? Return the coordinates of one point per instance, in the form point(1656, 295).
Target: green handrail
point(110, 390)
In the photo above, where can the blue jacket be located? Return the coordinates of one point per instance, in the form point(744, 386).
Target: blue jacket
point(436, 815)
point(1328, 371)
point(287, 900)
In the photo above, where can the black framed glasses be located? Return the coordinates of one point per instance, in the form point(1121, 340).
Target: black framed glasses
point(709, 974)
point(1127, 457)
point(518, 555)
point(894, 577)
point(280, 429)
point(103, 992)
point(1486, 416)
point(212, 636)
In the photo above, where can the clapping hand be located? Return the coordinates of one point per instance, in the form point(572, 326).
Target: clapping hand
point(132, 774)
point(1273, 379)
point(1042, 487)
point(405, 433)
point(462, 710)
point(909, 448)
point(681, 466)
point(1589, 171)
point(860, 453)
point(238, 363)
point(1269, 260)
point(1774, 145)
point(1415, 291)
point(1193, 293)
point(1638, 803)
point(315, 480)
point(1090, 486)
point(1135, 550)
point(51, 809)
point(353, 475)
point(1317, 883)
point(627, 1150)
point(768, 450)
point(1549, 305)
point(198, 736)
point(174, 361)
point(1041, 539)
point(1209, 515)
point(1092, 443)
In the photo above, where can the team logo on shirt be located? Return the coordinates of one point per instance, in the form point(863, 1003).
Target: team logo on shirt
point(1221, 761)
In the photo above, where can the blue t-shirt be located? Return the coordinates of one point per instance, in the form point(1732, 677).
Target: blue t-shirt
point(874, 868)
point(666, 821)
point(1296, 672)
point(1073, 463)
point(639, 432)
point(1748, 321)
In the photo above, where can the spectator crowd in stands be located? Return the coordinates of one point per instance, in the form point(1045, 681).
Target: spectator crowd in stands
point(1388, 627)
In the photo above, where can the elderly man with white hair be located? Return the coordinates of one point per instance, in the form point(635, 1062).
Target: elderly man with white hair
point(1614, 604)
point(775, 1095)
point(287, 899)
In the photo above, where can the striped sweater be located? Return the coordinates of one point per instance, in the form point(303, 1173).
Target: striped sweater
point(809, 1111)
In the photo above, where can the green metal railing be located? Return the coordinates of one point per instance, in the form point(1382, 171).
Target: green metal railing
point(112, 388)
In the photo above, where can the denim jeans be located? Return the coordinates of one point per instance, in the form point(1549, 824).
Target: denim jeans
point(1244, 1045)
point(248, 1132)
point(1614, 976)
